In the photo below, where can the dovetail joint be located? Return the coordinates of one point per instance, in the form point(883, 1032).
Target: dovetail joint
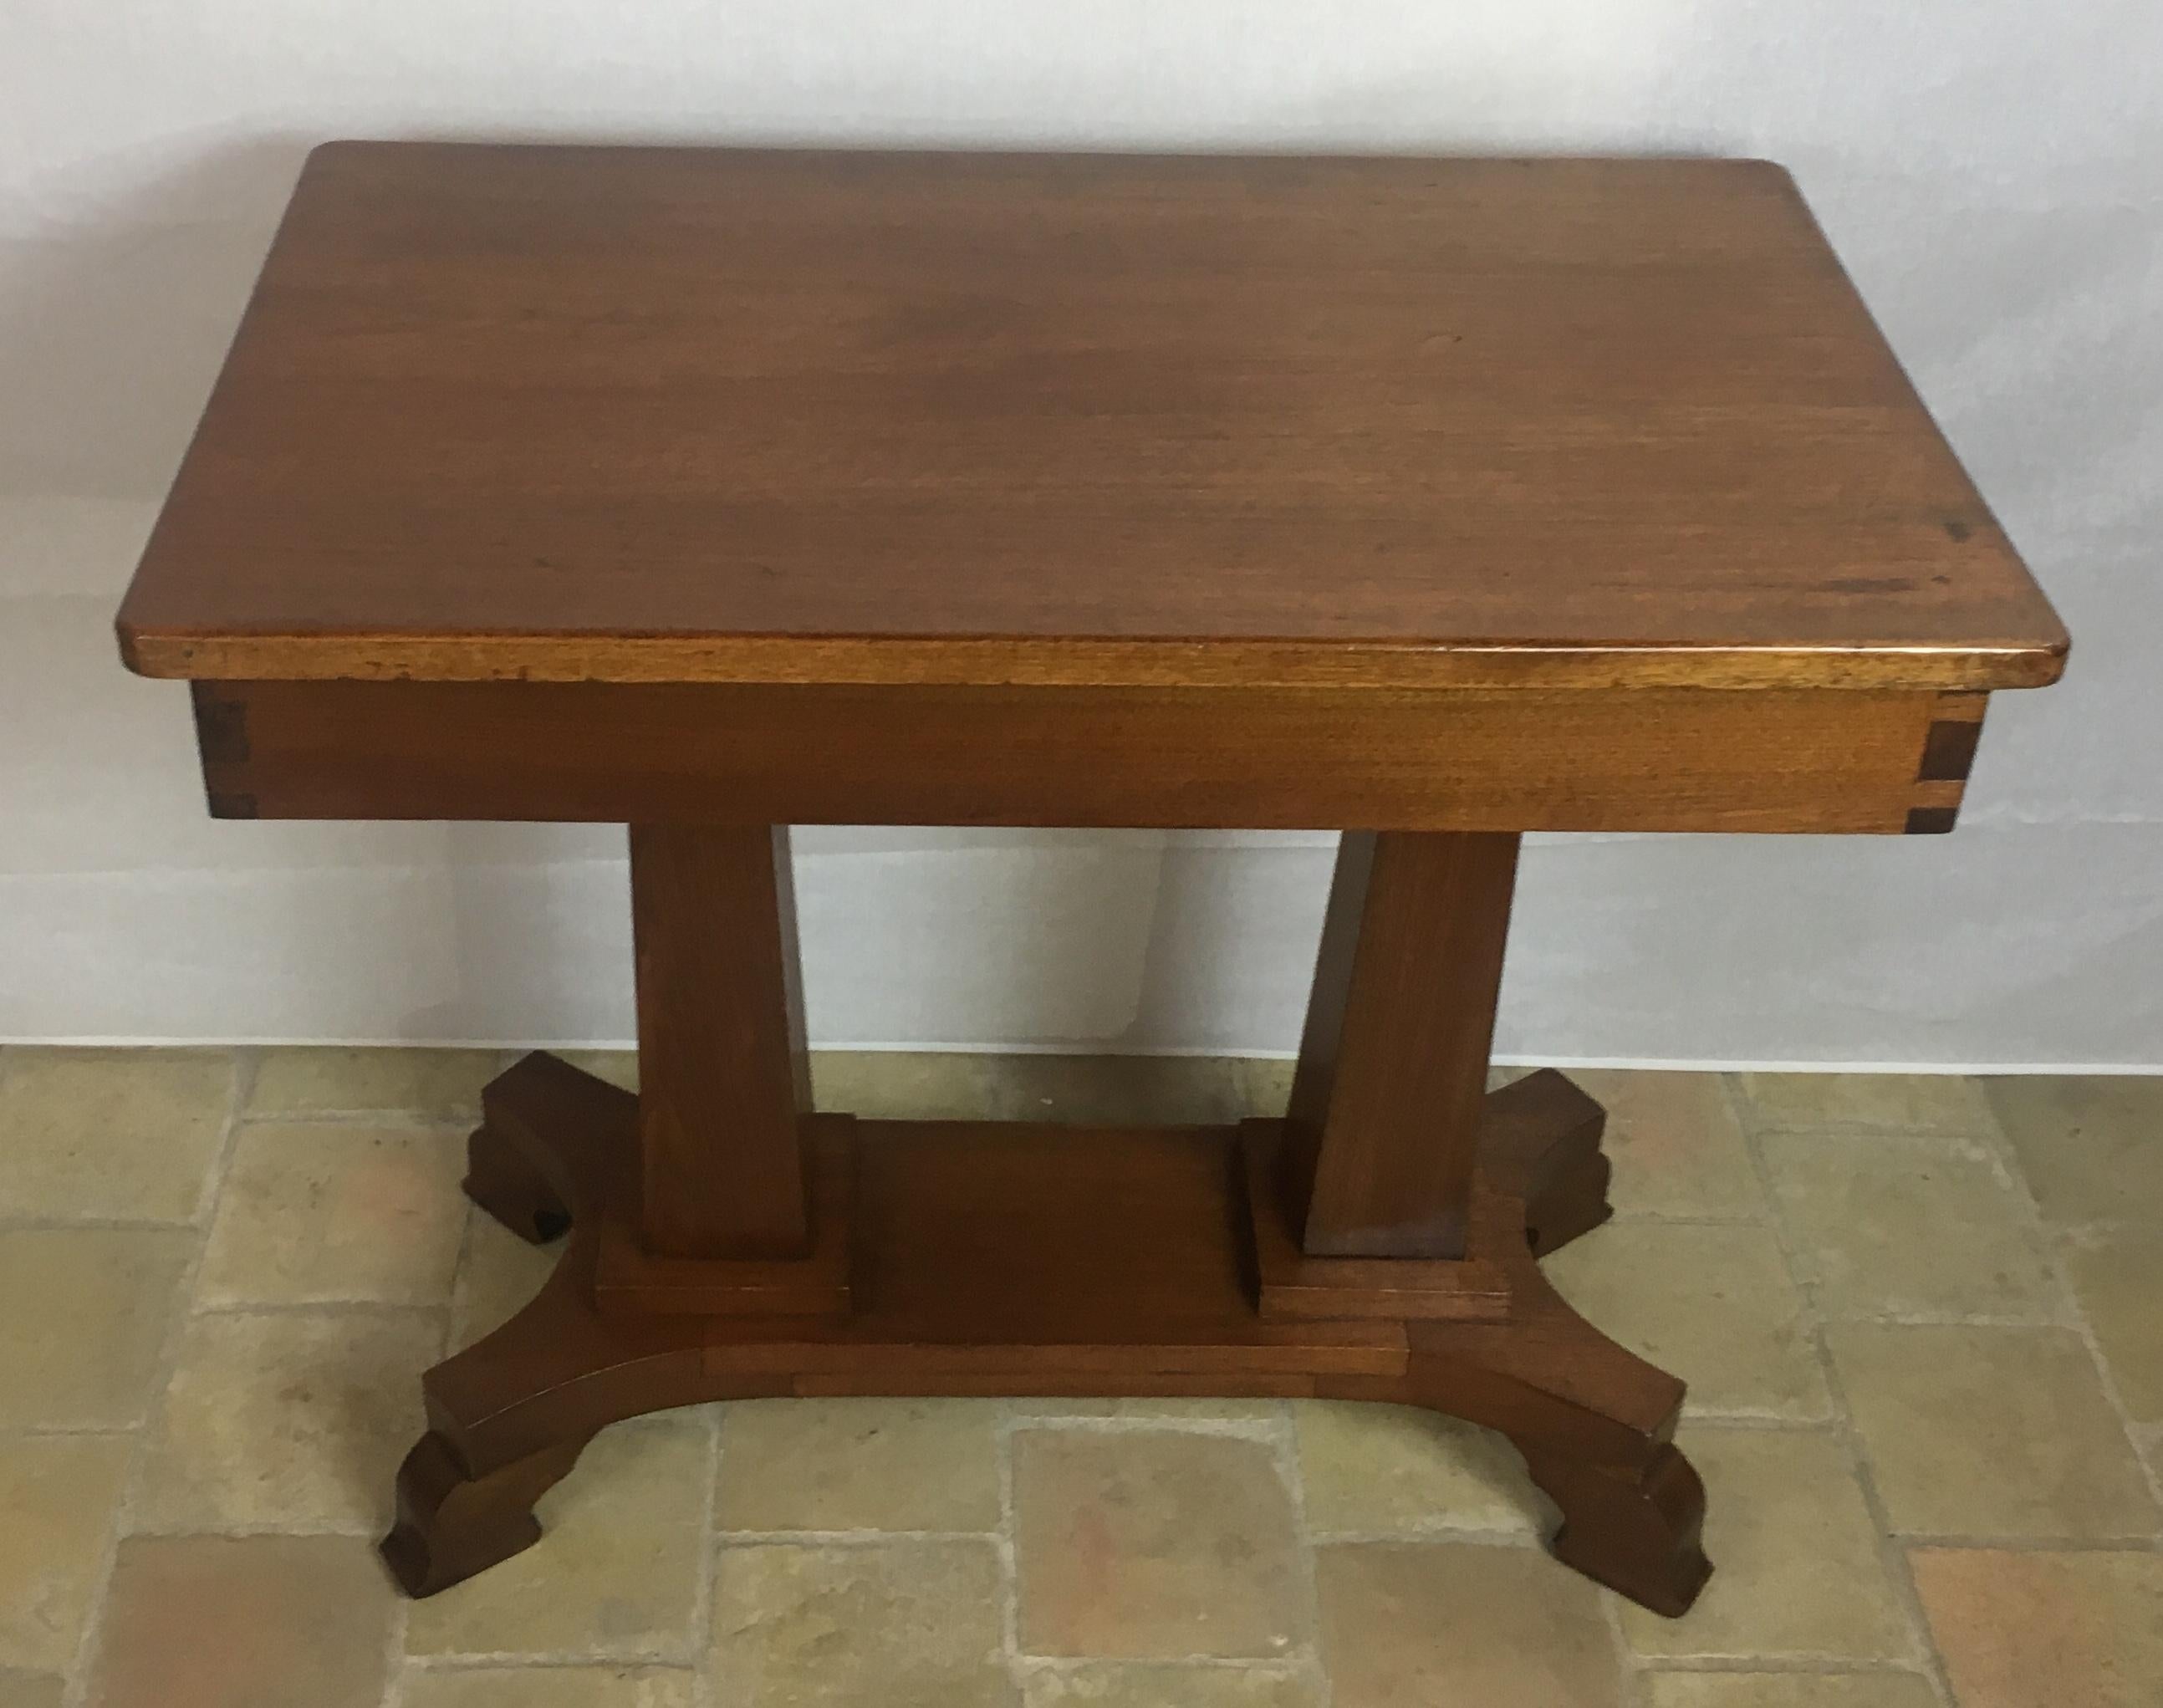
point(1948, 752)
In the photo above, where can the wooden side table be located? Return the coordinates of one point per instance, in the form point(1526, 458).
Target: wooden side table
point(711, 492)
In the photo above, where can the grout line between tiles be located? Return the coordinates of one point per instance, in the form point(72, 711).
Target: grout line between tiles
point(1294, 1476)
point(240, 1076)
point(1469, 1535)
point(603, 1658)
point(1674, 1218)
point(2048, 1238)
point(1629, 1674)
point(368, 1528)
point(393, 1648)
point(1008, 1549)
point(433, 1118)
point(551, 1661)
point(843, 1538)
point(1772, 1422)
point(702, 1612)
point(1037, 1664)
point(322, 1308)
point(1893, 1557)
point(1784, 1666)
point(1104, 1423)
point(2134, 1543)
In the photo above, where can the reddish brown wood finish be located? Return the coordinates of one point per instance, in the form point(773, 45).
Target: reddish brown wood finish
point(712, 491)
point(684, 414)
point(1122, 1267)
point(727, 1084)
point(1571, 760)
point(1384, 1124)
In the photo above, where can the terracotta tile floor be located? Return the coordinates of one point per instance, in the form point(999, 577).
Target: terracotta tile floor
point(1922, 1318)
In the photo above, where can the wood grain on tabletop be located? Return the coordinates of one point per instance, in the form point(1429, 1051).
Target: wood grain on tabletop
point(586, 413)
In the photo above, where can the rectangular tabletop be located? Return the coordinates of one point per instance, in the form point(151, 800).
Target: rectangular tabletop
point(683, 416)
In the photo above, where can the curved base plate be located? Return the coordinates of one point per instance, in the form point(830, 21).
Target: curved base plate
point(1132, 1262)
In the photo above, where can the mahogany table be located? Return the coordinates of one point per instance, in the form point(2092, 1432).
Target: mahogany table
point(714, 492)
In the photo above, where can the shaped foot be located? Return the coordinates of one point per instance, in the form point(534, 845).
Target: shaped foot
point(509, 1415)
point(1635, 1528)
point(1592, 1420)
point(1540, 1144)
point(503, 1182)
point(452, 1524)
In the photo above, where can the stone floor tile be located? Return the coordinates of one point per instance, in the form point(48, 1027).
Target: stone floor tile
point(2116, 1273)
point(1885, 1689)
point(2091, 1147)
point(885, 1625)
point(2038, 1630)
point(58, 1494)
point(258, 1621)
point(1168, 1685)
point(1149, 1544)
point(498, 1274)
point(616, 1572)
point(1408, 1624)
point(1883, 1224)
point(1797, 1569)
point(1882, 1103)
point(619, 1067)
point(287, 1420)
point(1375, 1468)
point(112, 1134)
point(547, 1687)
point(902, 1085)
point(83, 1313)
point(324, 1214)
point(1712, 1304)
point(2148, 1442)
point(32, 1690)
point(1676, 1144)
point(1990, 1432)
point(860, 1464)
point(1116, 1090)
point(1265, 1085)
point(438, 1084)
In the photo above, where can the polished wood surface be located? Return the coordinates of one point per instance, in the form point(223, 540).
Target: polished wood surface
point(727, 1080)
point(1295, 759)
point(672, 414)
point(998, 1259)
point(713, 490)
point(1392, 1082)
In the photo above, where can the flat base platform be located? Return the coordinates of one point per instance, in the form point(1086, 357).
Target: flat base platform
point(1002, 1259)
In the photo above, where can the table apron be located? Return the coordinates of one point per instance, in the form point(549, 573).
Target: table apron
point(1759, 760)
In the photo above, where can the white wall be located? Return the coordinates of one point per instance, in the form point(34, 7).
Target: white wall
point(1992, 170)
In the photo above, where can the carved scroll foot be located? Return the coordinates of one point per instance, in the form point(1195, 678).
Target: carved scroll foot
point(1592, 1420)
point(1635, 1528)
point(452, 1524)
point(1540, 1144)
point(509, 1415)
